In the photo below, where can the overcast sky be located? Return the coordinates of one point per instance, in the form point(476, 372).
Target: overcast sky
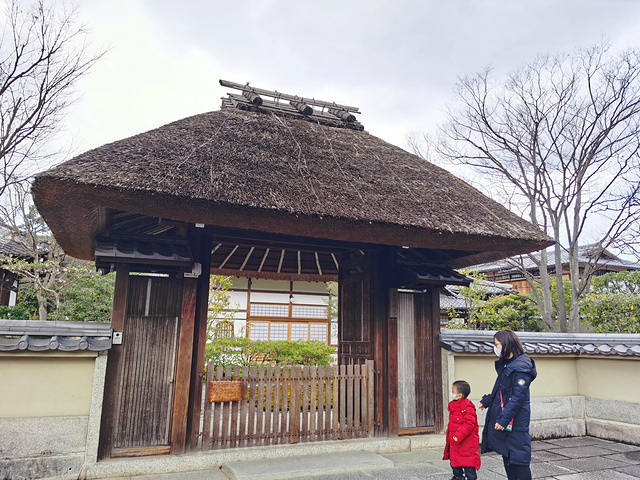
point(396, 60)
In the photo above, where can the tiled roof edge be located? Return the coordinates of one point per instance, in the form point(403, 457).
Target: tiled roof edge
point(481, 341)
point(34, 335)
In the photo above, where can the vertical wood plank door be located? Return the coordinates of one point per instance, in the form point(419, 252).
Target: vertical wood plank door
point(417, 376)
point(145, 387)
point(406, 362)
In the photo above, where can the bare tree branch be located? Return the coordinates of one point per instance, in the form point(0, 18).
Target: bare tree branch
point(560, 139)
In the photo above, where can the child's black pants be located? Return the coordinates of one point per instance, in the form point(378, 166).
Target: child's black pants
point(461, 472)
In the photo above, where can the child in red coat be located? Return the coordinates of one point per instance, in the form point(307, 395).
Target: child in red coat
point(462, 434)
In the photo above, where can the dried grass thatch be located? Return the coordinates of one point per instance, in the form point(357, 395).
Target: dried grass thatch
point(279, 175)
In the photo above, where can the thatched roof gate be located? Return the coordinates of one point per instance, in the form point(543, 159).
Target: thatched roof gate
point(261, 189)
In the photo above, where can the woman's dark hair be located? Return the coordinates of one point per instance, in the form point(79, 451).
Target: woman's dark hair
point(510, 344)
point(462, 387)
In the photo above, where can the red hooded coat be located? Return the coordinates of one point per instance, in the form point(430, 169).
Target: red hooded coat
point(463, 424)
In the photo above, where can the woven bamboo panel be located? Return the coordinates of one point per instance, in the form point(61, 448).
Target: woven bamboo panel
point(225, 391)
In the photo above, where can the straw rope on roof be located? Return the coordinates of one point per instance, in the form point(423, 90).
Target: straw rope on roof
point(280, 175)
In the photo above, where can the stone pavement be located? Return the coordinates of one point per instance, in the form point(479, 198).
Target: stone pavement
point(578, 458)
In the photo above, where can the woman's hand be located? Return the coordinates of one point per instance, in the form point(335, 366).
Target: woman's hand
point(497, 426)
point(480, 406)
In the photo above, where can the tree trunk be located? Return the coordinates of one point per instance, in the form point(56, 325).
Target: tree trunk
point(560, 303)
point(546, 310)
point(42, 306)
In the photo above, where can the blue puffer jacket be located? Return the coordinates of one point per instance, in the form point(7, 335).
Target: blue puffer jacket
point(514, 377)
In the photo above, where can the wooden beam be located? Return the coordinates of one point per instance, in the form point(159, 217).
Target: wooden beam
point(228, 257)
point(318, 263)
point(281, 259)
point(252, 96)
point(303, 107)
point(264, 257)
point(285, 96)
point(120, 297)
point(246, 259)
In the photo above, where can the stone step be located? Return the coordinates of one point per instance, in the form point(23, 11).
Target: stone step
point(305, 466)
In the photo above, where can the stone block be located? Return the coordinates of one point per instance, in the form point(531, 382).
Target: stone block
point(551, 408)
point(613, 410)
point(613, 430)
point(421, 442)
point(540, 430)
point(578, 406)
point(42, 436)
point(60, 467)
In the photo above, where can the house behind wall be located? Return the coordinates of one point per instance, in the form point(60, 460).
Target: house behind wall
point(281, 310)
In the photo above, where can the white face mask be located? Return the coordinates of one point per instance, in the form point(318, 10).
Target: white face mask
point(453, 397)
point(497, 351)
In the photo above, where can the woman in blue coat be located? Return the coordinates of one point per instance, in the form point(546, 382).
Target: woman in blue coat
point(506, 426)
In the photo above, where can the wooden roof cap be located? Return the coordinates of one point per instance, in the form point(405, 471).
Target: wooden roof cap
point(327, 113)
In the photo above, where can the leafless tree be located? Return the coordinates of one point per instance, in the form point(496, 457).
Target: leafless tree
point(558, 140)
point(47, 268)
point(43, 53)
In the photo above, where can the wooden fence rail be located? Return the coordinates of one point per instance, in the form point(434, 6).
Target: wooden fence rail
point(269, 405)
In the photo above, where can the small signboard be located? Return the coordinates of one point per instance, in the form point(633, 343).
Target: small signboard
point(225, 391)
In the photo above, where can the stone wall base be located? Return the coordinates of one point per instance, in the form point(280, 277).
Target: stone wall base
point(60, 467)
point(42, 447)
point(609, 430)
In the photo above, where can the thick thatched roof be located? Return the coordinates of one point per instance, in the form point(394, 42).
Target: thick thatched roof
point(280, 175)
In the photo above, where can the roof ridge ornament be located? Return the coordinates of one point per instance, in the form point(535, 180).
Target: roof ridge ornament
point(253, 98)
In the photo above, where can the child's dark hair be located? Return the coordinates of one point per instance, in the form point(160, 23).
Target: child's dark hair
point(462, 387)
point(510, 343)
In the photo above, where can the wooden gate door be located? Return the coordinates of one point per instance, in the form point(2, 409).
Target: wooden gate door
point(419, 377)
point(139, 395)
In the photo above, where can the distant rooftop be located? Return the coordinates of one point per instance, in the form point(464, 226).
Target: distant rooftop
point(586, 254)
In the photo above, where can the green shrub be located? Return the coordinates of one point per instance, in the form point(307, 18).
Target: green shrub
point(244, 351)
point(18, 312)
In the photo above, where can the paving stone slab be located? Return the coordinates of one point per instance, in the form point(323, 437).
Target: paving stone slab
point(300, 466)
point(583, 452)
point(541, 445)
point(409, 472)
point(590, 464)
point(623, 447)
point(633, 470)
point(341, 476)
point(600, 475)
point(492, 463)
point(545, 470)
point(572, 442)
point(632, 458)
point(545, 456)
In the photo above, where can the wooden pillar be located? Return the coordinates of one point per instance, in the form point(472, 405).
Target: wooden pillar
point(182, 378)
point(118, 314)
point(199, 342)
point(437, 358)
point(385, 344)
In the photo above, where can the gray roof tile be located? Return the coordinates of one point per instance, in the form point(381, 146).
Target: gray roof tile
point(543, 343)
point(37, 336)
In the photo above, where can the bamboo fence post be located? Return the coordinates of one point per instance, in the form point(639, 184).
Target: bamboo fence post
point(253, 408)
point(208, 407)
